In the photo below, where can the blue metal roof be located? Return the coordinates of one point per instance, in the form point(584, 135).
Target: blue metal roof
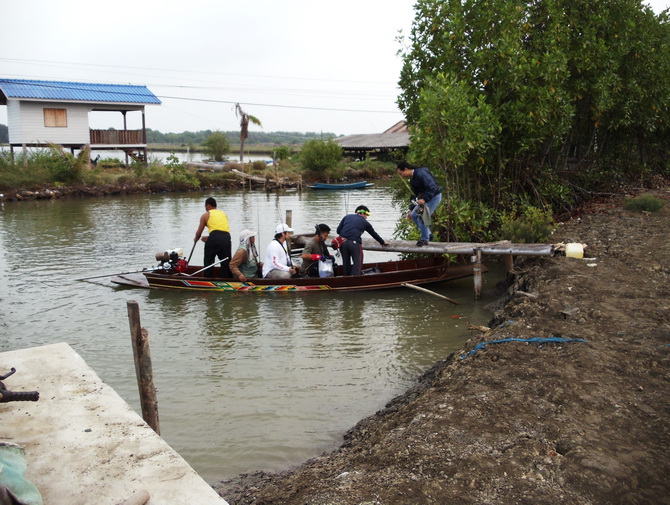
point(76, 91)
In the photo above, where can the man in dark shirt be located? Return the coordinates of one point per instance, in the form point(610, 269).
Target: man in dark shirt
point(351, 228)
point(426, 196)
point(315, 250)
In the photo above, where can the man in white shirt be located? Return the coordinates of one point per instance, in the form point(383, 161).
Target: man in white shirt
point(278, 264)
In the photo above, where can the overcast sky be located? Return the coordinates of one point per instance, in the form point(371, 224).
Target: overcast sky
point(297, 65)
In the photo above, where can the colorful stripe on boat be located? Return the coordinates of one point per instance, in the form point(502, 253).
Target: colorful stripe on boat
point(246, 286)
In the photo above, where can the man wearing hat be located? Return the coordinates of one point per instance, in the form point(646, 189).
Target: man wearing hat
point(278, 264)
point(351, 228)
point(245, 264)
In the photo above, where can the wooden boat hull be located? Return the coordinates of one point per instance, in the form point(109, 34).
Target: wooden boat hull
point(381, 275)
point(352, 185)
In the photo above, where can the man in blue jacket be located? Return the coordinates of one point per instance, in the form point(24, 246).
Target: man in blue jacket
point(427, 195)
point(351, 228)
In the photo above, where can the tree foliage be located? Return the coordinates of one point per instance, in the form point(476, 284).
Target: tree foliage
point(199, 137)
point(217, 145)
point(245, 119)
point(318, 155)
point(521, 101)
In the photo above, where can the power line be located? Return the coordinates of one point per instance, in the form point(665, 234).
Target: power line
point(280, 106)
point(174, 70)
point(54, 85)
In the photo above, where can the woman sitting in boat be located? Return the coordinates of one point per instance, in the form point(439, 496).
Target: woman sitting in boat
point(316, 250)
point(245, 264)
point(278, 264)
point(351, 228)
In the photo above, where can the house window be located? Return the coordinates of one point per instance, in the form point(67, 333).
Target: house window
point(55, 117)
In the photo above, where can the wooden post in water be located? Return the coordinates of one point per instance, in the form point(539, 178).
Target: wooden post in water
point(143, 369)
point(509, 265)
point(289, 221)
point(477, 271)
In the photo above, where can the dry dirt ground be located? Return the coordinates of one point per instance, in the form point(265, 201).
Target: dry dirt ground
point(527, 423)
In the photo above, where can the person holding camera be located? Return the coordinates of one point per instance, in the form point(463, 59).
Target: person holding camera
point(427, 195)
point(278, 264)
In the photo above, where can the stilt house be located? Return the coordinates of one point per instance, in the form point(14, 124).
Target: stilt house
point(48, 112)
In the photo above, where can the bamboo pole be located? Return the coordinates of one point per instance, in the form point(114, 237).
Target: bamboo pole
point(430, 292)
point(143, 369)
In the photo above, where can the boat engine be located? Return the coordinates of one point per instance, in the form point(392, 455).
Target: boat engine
point(172, 261)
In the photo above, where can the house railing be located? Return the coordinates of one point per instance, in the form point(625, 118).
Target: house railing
point(118, 137)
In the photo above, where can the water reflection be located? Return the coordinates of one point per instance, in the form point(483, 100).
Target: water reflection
point(245, 381)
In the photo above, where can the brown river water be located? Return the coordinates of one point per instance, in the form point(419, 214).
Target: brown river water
point(246, 381)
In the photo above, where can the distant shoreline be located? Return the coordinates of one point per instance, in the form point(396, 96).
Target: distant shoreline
point(234, 149)
point(181, 148)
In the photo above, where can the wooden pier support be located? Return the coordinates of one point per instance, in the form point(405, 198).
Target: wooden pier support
point(509, 264)
point(143, 369)
point(477, 272)
point(476, 250)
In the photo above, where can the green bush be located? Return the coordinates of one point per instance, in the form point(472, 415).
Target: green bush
point(217, 146)
point(531, 227)
point(644, 203)
point(320, 155)
point(259, 166)
point(281, 153)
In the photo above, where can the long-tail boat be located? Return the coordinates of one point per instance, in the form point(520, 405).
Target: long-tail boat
point(350, 185)
point(381, 275)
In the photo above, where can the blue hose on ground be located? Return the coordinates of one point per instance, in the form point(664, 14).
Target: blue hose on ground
point(535, 340)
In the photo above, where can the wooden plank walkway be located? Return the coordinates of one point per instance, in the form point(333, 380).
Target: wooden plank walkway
point(473, 249)
point(504, 247)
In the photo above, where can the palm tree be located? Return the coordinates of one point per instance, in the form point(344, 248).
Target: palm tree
point(244, 126)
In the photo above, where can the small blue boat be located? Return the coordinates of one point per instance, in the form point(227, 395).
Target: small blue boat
point(351, 185)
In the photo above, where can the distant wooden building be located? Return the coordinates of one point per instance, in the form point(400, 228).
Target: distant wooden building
point(49, 112)
point(394, 139)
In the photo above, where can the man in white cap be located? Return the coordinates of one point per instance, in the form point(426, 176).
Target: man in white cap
point(245, 264)
point(278, 264)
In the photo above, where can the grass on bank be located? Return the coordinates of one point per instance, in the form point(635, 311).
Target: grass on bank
point(54, 167)
point(644, 203)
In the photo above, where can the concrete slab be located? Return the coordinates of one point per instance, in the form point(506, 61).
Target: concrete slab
point(83, 443)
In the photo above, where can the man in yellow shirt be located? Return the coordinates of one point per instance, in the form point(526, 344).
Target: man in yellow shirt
point(217, 244)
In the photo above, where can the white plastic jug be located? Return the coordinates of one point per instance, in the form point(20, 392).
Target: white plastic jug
point(574, 250)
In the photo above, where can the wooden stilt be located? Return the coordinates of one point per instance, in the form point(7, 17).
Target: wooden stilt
point(509, 265)
point(143, 369)
point(477, 271)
